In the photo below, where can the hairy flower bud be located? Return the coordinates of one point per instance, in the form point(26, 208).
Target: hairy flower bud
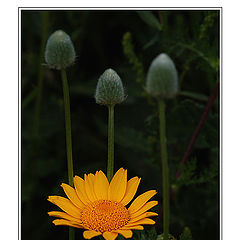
point(162, 78)
point(59, 52)
point(109, 89)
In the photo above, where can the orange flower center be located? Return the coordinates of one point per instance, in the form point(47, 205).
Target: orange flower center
point(104, 216)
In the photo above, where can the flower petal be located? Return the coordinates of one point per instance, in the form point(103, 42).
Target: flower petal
point(118, 185)
point(144, 215)
point(72, 195)
point(65, 222)
point(64, 215)
point(140, 222)
point(125, 233)
point(132, 186)
point(101, 186)
point(89, 180)
point(144, 208)
point(90, 234)
point(110, 235)
point(141, 200)
point(134, 227)
point(80, 189)
point(65, 205)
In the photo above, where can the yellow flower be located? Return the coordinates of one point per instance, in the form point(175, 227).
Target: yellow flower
point(100, 207)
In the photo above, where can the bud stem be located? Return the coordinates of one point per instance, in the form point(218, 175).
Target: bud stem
point(71, 233)
point(44, 16)
point(68, 135)
point(67, 126)
point(165, 178)
point(110, 142)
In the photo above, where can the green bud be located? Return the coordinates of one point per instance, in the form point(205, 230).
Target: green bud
point(162, 78)
point(59, 52)
point(109, 90)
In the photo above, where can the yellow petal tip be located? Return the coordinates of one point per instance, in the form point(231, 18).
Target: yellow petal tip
point(50, 198)
point(54, 222)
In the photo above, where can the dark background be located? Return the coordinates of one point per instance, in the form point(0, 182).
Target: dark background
point(191, 39)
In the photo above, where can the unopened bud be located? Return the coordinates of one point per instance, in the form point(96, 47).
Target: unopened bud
point(162, 78)
point(59, 52)
point(109, 90)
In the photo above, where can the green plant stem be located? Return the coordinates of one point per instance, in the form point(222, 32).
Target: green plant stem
point(68, 136)
point(67, 126)
point(165, 178)
point(44, 19)
point(110, 142)
point(71, 233)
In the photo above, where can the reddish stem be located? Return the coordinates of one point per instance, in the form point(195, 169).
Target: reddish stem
point(193, 139)
point(199, 126)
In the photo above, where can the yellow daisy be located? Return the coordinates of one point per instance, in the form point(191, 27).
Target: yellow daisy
point(100, 207)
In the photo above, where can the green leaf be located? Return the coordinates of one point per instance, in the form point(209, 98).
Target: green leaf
point(187, 171)
point(149, 18)
point(151, 42)
point(152, 234)
point(186, 235)
point(129, 52)
point(139, 235)
point(200, 54)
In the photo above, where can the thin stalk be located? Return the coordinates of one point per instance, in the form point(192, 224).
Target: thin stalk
point(67, 126)
point(165, 178)
point(196, 132)
point(68, 135)
point(71, 233)
point(44, 19)
point(110, 142)
point(199, 126)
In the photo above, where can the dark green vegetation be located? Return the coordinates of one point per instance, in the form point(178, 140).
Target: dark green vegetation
point(126, 41)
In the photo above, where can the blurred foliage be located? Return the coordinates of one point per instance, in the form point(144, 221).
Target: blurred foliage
point(186, 235)
point(126, 41)
point(128, 50)
point(170, 237)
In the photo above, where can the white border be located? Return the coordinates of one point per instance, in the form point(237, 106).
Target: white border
point(113, 8)
point(220, 127)
point(20, 124)
point(120, 8)
point(122, 3)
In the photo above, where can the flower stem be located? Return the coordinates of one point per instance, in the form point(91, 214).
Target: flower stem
point(165, 178)
point(199, 126)
point(110, 142)
point(71, 233)
point(68, 135)
point(44, 21)
point(67, 126)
